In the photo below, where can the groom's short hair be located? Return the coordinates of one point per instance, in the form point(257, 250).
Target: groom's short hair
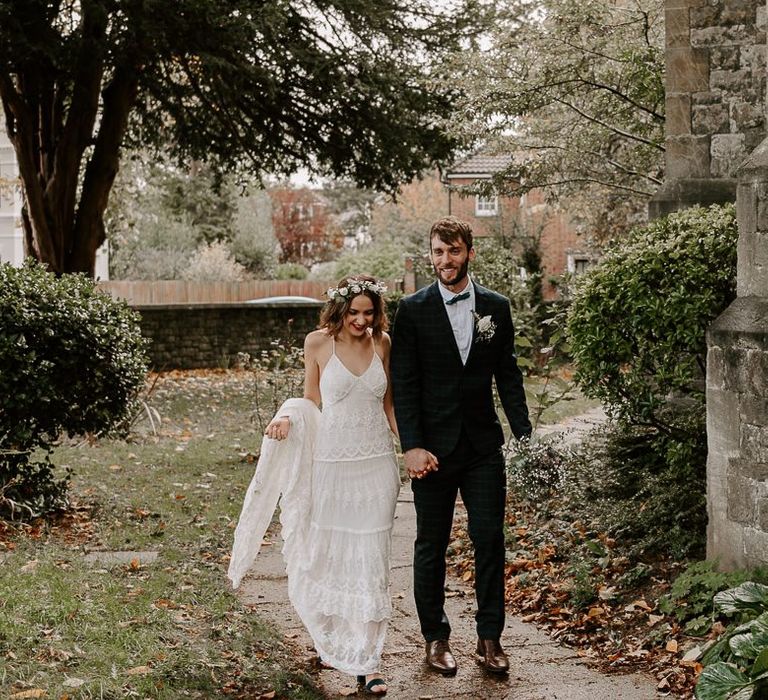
point(449, 229)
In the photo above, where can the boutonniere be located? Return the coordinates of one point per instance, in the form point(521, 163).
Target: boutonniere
point(484, 327)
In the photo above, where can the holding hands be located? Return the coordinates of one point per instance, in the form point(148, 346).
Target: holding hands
point(278, 428)
point(419, 462)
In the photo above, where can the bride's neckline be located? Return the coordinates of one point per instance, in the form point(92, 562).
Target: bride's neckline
point(366, 370)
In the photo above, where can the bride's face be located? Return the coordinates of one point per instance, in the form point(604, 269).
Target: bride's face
point(359, 315)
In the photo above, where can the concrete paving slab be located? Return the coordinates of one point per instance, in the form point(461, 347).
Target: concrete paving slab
point(116, 558)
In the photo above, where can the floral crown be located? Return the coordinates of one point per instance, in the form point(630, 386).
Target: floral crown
point(354, 287)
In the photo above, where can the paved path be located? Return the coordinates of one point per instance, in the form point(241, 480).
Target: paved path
point(541, 669)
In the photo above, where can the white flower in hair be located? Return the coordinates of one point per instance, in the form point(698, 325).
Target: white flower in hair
point(355, 287)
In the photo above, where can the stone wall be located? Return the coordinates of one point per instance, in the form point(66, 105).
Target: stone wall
point(715, 98)
point(210, 335)
point(737, 390)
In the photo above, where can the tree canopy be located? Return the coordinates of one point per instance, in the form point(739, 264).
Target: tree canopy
point(344, 88)
point(574, 91)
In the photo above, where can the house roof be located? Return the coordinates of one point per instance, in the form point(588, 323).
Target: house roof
point(479, 164)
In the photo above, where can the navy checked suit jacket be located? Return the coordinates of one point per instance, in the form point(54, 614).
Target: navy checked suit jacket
point(435, 394)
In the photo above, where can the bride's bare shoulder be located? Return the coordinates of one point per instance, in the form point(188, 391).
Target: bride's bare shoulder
point(316, 340)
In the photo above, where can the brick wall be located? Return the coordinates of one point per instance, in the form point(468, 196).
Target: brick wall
point(211, 335)
point(463, 206)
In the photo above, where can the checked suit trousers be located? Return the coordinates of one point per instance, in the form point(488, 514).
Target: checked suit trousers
point(480, 479)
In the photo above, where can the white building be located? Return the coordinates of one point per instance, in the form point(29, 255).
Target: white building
point(11, 232)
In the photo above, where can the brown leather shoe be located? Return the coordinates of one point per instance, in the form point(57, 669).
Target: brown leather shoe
point(440, 658)
point(492, 656)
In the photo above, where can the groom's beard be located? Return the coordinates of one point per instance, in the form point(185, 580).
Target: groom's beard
point(460, 274)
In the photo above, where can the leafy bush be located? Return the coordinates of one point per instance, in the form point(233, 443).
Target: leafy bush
point(383, 258)
point(643, 486)
point(689, 599)
point(736, 666)
point(637, 330)
point(291, 271)
point(214, 262)
point(638, 319)
point(72, 360)
point(536, 468)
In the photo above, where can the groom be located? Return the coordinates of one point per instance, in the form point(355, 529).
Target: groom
point(449, 341)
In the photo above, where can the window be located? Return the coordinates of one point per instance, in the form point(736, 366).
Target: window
point(578, 264)
point(486, 206)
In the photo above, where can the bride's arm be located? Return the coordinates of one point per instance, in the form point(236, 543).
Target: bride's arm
point(312, 345)
point(389, 406)
point(279, 426)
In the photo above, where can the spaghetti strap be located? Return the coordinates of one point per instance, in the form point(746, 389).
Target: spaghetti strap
point(333, 345)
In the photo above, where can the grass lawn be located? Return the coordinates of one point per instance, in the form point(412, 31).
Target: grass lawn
point(167, 629)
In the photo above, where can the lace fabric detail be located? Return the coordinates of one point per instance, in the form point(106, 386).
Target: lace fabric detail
point(340, 584)
point(353, 424)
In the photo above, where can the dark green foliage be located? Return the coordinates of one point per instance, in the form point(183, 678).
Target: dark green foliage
point(638, 319)
point(349, 90)
point(736, 666)
point(644, 487)
point(72, 360)
point(637, 329)
point(690, 598)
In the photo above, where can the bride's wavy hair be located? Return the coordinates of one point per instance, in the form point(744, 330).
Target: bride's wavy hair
point(340, 297)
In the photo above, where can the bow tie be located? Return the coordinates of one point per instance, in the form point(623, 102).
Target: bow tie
point(458, 297)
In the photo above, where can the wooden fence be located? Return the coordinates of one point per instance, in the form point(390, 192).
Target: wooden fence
point(142, 292)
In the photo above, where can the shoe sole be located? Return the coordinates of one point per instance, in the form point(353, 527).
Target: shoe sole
point(442, 671)
point(495, 671)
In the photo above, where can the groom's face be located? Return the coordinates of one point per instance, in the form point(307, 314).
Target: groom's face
point(450, 260)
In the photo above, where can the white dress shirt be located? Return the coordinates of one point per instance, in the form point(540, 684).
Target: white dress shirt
point(460, 316)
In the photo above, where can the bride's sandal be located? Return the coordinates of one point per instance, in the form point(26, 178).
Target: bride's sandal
point(373, 686)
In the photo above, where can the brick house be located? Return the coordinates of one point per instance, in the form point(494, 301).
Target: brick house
point(562, 250)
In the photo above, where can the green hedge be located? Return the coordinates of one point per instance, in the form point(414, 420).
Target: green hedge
point(71, 361)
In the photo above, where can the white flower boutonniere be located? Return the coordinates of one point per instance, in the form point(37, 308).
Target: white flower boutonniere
point(485, 327)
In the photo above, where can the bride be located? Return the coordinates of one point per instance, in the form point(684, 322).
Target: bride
point(336, 474)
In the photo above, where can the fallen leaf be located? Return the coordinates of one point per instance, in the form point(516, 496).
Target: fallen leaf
point(115, 467)
point(31, 693)
point(654, 619)
point(672, 646)
point(267, 696)
point(29, 566)
point(348, 691)
point(138, 671)
point(595, 612)
point(692, 654)
point(73, 682)
point(135, 564)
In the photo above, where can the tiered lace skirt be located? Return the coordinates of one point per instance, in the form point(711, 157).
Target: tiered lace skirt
point(339, 584)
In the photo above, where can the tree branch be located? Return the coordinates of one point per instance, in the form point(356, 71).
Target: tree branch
point(613, 129)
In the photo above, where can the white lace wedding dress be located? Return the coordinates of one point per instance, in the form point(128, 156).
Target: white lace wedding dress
point(340, 586)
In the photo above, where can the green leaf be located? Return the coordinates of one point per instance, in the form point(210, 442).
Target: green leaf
point(748, 596)
point(761, 663)
point(719, 681)
point(523, 342)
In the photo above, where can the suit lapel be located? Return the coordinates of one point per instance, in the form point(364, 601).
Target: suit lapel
point(480, 310)
point(444, 324)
